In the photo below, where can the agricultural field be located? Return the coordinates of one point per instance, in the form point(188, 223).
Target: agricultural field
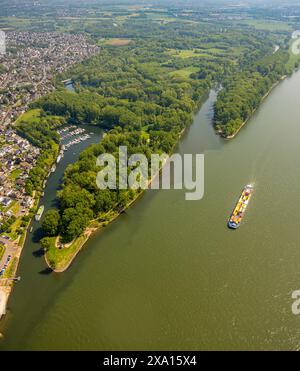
point(187, 53)
point(184, 73)
point(269, 25)
point(117, 42)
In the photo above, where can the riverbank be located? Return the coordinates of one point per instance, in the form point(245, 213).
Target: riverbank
point(64, 261)
point(228, 137)
point(51, 183)
point(8, 281)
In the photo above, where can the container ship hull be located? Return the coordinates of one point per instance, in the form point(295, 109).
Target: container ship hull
point(240, 208)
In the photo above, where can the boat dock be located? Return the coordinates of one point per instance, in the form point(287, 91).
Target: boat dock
point(74, 133)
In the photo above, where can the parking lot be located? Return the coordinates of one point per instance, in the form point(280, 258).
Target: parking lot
point(10, 252)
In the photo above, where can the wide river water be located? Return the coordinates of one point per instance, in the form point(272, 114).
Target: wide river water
point(169, 274)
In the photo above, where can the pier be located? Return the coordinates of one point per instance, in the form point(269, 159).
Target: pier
point(75, 136)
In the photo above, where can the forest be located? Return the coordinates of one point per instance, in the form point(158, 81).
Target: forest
point(138, 106)
point(242, 94)
point(40, 129)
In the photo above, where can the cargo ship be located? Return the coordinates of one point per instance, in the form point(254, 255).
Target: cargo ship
point(241, 206)
point(39, 213)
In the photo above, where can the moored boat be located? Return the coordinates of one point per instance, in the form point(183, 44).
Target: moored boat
point(39, 213)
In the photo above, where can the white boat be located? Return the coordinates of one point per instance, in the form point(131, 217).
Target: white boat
point(3, 301)
point(39, 213)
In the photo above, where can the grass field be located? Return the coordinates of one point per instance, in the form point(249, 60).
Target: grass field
point(117, 42)
point(186, 53)
point(204, 53)
point(29, 116)
point(184, 73)
point(9, 273)
point(60, 258)
point(14, 207)
point(14, 22)
point(2, 251)
point(15, 174)
point(269, 25)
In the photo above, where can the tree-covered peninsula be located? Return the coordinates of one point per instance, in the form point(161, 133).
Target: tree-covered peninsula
point(143, 93)
point(242, 93)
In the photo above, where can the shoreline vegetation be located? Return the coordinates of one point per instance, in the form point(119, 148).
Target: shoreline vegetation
point(232, 136)
point(243, 93)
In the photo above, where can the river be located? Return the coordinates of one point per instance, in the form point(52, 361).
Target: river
point(169, 274)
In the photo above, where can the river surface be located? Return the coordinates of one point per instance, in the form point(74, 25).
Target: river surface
point(70, 86)
point(169, 274)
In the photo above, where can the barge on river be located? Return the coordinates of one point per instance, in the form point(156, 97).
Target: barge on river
point(241, 206)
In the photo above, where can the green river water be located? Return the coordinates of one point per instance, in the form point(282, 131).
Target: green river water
point(169, 274)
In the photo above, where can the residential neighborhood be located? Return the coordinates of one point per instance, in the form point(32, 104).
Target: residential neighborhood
point(27, 72)
point(29, 64)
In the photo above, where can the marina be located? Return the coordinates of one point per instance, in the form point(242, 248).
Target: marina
point(72, 133)
point(77, 135)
